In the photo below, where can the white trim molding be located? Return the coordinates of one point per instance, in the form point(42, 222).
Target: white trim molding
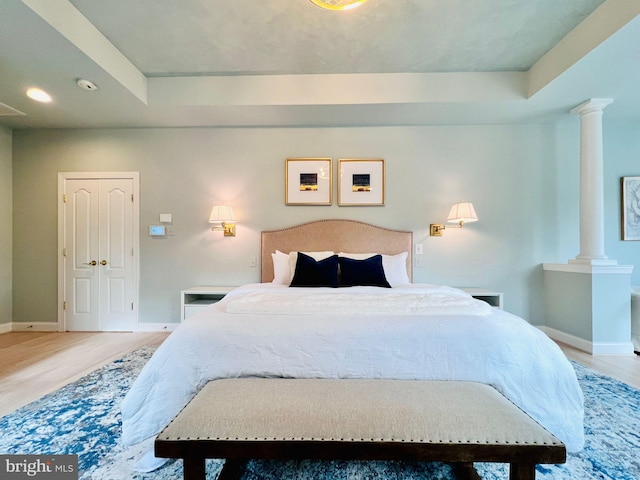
point(34, 326)
point(594, 348)
point(156, 327)
point(588, 268)
point(53, 327)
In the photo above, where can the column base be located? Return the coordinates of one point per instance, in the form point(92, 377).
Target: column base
point(589, 304)
point(574, 266)
point(593, 261)
point(588, 346)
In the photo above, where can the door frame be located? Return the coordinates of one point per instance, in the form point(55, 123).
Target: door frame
point(62, 179)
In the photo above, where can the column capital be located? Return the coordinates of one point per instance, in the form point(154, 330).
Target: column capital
point(592, 105)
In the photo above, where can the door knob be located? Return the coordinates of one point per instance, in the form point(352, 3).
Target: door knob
point(103, 262)
point(93, 263)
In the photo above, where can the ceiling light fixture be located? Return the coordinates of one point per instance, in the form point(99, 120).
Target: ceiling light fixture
point(338, 4)
point(38, 95)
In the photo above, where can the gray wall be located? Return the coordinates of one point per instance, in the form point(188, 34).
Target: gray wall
point(569, 301)
point(6, 182)
point(593, 307)
point(522, 179)
point(622, 158)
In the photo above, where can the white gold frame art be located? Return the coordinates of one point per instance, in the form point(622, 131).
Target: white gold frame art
point(360, 182)
point(308, 181)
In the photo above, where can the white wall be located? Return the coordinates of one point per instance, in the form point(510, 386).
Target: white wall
point(5, 225)
point(522, 179)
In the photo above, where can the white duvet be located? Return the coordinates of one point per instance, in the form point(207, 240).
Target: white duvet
point(431, 343)
point(341, 302)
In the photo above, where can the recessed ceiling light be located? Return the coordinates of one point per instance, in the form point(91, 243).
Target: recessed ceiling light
point(338, 4)
point(86, 85)
point(39, 95)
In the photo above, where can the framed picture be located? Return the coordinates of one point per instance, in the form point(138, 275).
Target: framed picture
point(308, 181)
point(360, 182)
point(630, 208)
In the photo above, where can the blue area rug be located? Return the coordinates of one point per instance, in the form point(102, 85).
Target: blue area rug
point(83, 418)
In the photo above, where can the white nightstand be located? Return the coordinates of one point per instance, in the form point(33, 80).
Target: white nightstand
point(492, 297)
point(194, 299)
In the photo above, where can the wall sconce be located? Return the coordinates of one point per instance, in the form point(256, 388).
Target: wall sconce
point(460, 213)
point(222, 219)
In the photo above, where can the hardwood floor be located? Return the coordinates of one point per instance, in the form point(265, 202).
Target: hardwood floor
point(33, 364)
point(625, 368)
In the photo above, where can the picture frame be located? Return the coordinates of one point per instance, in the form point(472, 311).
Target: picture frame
point(361, 182)
point(308, 181)
point(630, 193)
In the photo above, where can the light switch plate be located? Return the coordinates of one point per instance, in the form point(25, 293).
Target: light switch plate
point(166, 218)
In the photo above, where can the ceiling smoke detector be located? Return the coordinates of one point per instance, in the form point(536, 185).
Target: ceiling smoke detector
point(86, 85)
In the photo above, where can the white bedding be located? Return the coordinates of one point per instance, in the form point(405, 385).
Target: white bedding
point(493, 347)
point(344, 301)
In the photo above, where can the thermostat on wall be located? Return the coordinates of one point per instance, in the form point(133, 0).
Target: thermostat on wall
point(156, 230)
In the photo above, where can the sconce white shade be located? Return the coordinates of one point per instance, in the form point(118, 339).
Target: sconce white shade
point(221, 214)
point(222, 218)
point(462, 213)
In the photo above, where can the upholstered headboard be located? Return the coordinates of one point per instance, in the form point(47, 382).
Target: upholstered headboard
point(337, 235)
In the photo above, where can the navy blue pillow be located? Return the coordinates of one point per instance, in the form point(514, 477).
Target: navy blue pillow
point(315, 273)
point(367, 272)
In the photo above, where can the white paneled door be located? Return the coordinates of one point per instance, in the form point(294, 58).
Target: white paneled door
point(99, 255)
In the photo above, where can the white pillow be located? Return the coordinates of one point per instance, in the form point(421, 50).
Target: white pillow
point(395, 269)
point(394, 266)
point(281, 270)
point(293, 259)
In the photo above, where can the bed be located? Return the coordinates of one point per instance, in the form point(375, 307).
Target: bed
point(402, 331)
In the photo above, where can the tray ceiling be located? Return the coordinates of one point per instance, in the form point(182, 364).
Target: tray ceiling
point(290, 63)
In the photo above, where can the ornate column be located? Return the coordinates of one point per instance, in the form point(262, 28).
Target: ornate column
point(588, 299)
point(592, 183)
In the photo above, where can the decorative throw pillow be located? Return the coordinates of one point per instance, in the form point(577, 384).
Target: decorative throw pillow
point(315, 273)
point(366, 272)
point(395, 266)
point(293, 258)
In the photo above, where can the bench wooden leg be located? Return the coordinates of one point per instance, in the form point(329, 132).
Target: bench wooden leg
point(194, 468)
point(520, 471)
point(465, 471)
point(232, 469)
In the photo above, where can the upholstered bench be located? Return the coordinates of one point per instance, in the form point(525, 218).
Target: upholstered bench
point(456, 422)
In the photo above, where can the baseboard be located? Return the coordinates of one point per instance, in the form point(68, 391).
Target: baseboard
point(34, 326)
point(156, 327)
point(571, 340)
point(594, 348)
point(607, 348)
point(53, 327)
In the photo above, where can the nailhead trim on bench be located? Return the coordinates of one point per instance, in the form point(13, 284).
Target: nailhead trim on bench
point(447, 410)
point(400, 440)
